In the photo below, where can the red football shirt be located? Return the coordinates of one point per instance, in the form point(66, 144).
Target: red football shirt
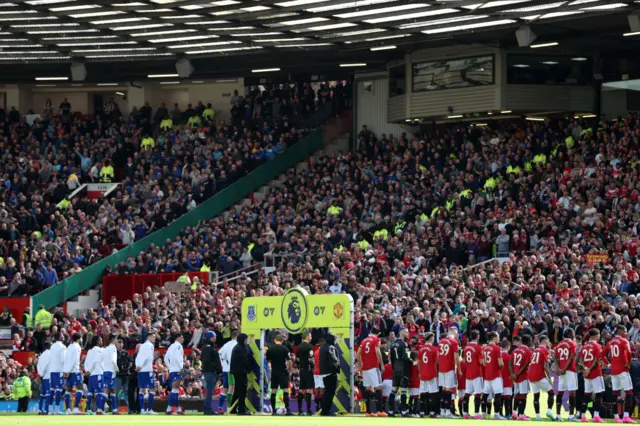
point(491, 354)
point(462, 377)
point(564, 350)
point(368, 353)
point(316, 359)
point(591, 353)
point(447, 347)
point(539, 359)
point(471, 355)
point(414, 377)
point(388, 372)
point(619, 353)
point(521, 357)
point(506, 374)
point(428, 358)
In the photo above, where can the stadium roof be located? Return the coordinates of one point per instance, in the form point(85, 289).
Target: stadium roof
point(279, 33)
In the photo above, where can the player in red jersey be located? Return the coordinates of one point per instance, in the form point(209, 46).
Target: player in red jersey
point(448, 364)
point(520, 359)
point(317, 378)
point(473, 361)
point(565, 365)
point(414, 385)
point(507, 382)
point(619, 353)
point(428, 359)
point(538, 375)
point(493, 364)
point(589, 360)
point(387, 382)
point(369, 359)
point(463, 401)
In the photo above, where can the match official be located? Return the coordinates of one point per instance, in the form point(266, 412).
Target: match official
point(305, 365)
point(280, 358)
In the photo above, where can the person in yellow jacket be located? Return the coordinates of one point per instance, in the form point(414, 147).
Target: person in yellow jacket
point(208, 114)
point(106, 172)
point(194, 121)
point(184, 278)
point(148, 143)
point(43, 318)
point(334, 210)
point(21, 391)
point(166, 124)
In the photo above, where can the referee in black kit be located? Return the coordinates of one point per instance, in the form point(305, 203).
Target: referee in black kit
point(305, 361)
point(399, 353)
point(280, 358)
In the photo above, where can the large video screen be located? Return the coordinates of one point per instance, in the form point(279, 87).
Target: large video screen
point(453, 73)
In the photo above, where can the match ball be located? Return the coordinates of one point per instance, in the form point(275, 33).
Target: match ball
point(281, 411)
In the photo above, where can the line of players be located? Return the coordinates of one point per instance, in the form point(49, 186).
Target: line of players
point(59, 369)
point(429, 377)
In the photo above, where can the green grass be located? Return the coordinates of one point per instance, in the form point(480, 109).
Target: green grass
point(355, 420)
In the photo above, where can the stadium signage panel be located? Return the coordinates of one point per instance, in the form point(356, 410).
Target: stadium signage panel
point(296, 311)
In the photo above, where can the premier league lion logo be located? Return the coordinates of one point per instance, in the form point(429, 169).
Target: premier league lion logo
point(294, 311)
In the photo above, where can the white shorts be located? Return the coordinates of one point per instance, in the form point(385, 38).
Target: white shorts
point(429, 386)
point(475, 386)
point(448, 380)
point(371, 378)
point(621, 382)
point(460, 393)
point(595, 385)
point(568, 382)
point(318, 382)
point(507, 391)
point(386, 388)
point(541, 386)
point(494, 386)
point(521, 388)
point(414, 391)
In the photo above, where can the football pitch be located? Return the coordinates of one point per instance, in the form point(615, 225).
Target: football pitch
point(161, 420)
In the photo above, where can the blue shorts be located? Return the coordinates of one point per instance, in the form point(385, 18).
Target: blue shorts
point(56, 381)
point(173, 377)
point(45, 387)
point(109, 380)
point(74, 379)
point(146, 380)
point(96, 384)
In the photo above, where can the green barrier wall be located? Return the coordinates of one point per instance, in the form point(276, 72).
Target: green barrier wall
point(92, 275)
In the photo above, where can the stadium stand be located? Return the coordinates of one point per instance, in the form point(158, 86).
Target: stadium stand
point(408, 226)
point(157, 168)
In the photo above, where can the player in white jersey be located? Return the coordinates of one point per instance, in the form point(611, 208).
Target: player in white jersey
point(56, 367)
point(72, 374)
point(174, 359)
point(146, 379)
point(227, 377)
point(110, 370)
point(45, 380)
point(93, 367)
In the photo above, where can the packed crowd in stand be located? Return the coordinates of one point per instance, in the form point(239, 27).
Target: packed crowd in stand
point(167, 163)
point(406, 225)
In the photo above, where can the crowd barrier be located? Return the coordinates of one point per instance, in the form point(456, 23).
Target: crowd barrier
point(123, 287)
point(92, 275)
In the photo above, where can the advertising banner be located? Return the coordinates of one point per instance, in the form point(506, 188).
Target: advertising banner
point(594, 259)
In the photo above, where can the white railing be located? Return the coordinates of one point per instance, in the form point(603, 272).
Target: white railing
point(247, 271)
